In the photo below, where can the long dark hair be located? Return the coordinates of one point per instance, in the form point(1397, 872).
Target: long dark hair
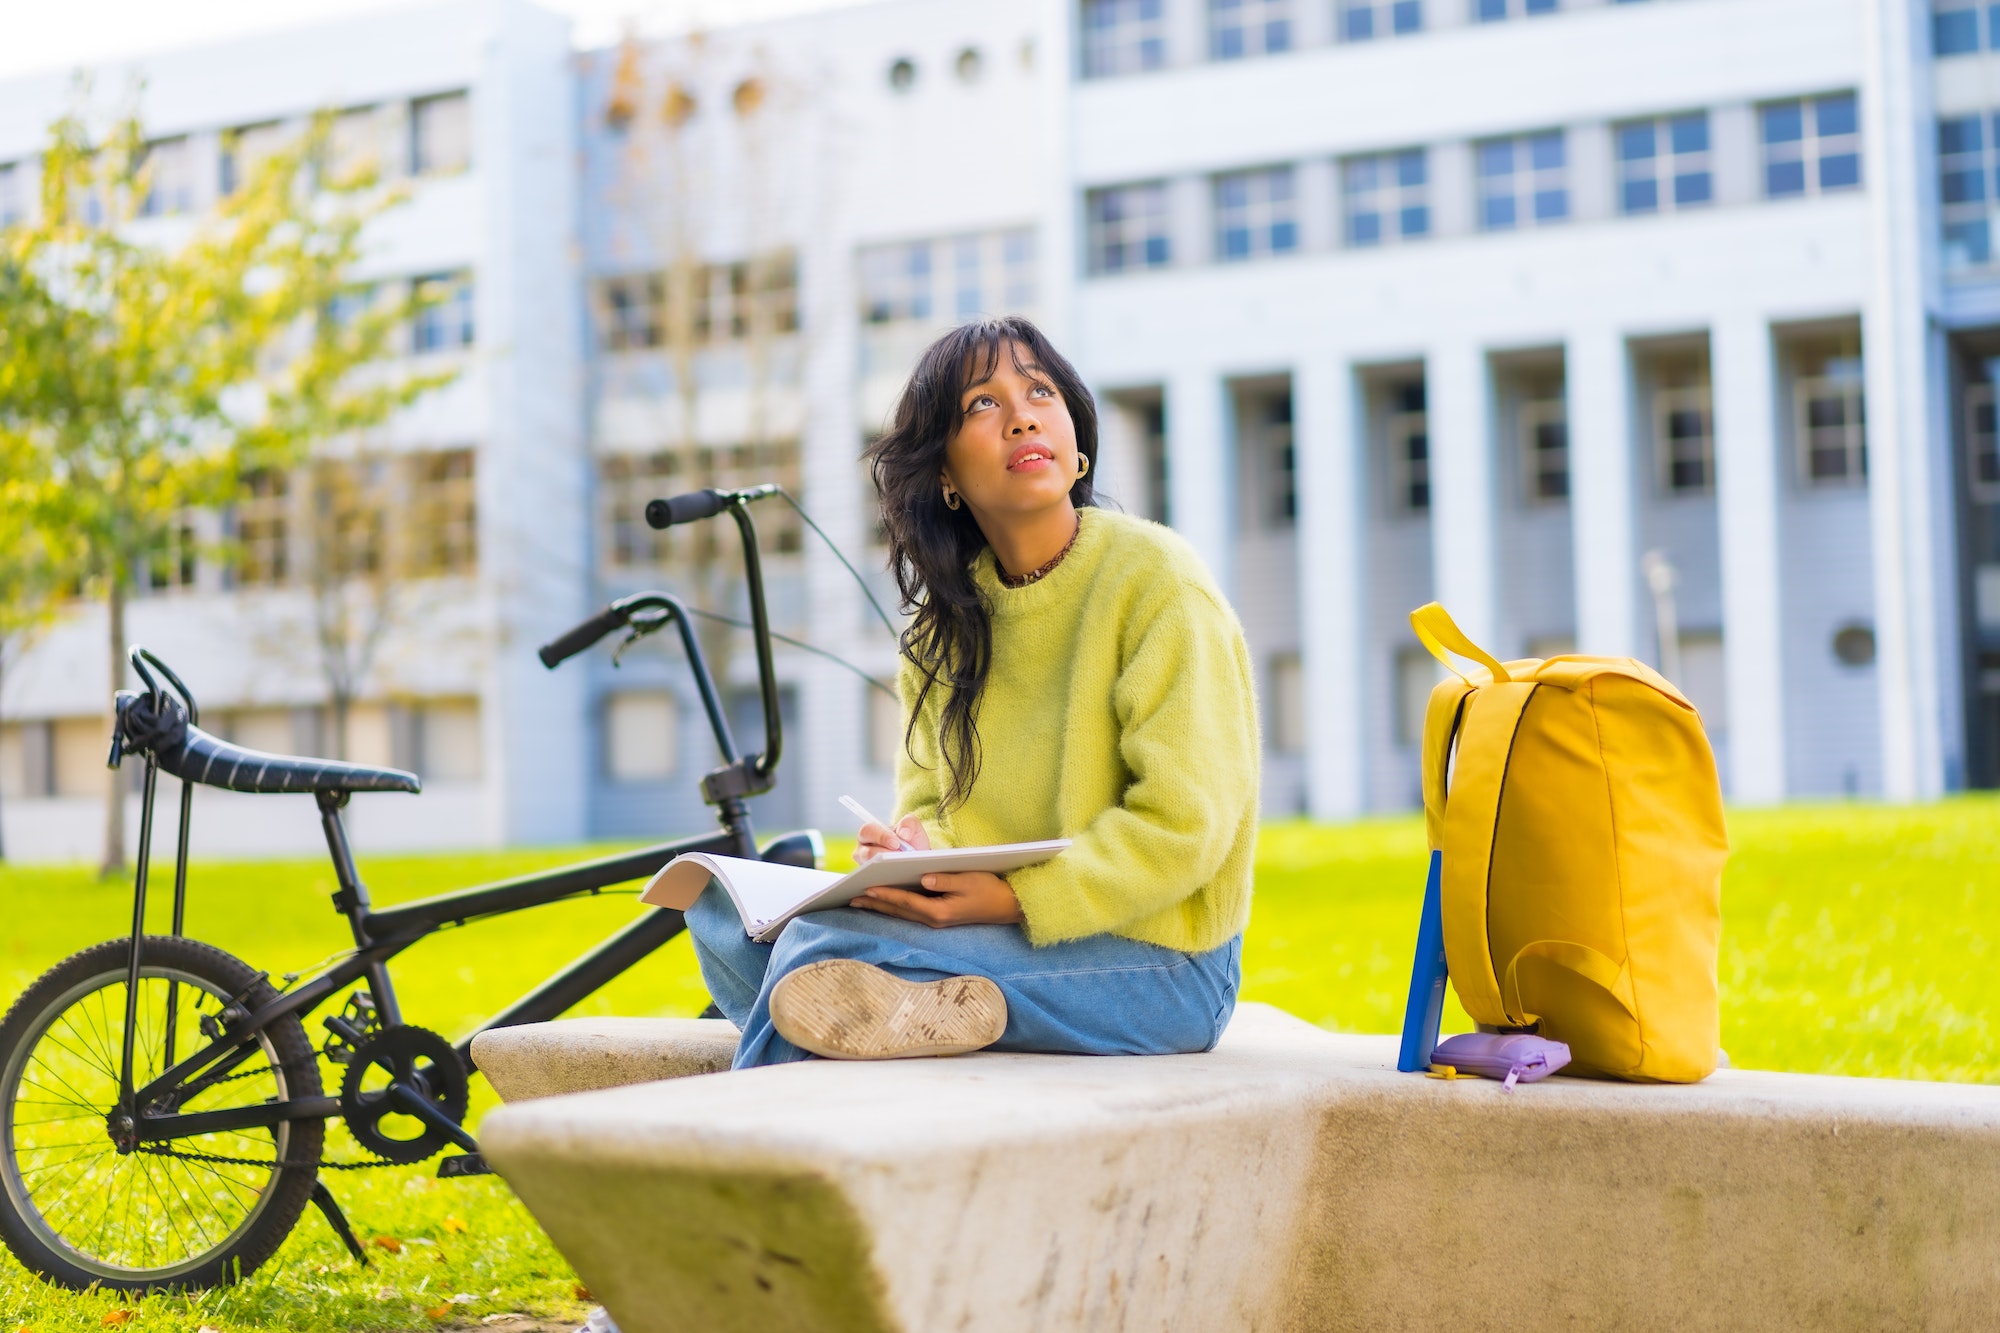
point(931, 546)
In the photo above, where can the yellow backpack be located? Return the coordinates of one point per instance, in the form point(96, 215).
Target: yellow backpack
point(1582, 838)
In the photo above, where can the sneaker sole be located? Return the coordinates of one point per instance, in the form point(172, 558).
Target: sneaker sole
point(847, 1010)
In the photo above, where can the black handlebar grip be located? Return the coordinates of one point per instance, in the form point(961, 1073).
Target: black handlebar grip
point(686, 508)
point(580, 638)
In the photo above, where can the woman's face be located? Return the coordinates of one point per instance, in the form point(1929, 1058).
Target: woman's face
point(1014, 453)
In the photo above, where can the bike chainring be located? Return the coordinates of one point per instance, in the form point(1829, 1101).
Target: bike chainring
point(418, 1058)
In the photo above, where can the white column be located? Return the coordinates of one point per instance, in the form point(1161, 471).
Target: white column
point(1332, 585)
point(1897, 119)
point(1603, 496)
point(1199, 489)
point(1060, 259)
point(1464, 512)
point(1747, 472)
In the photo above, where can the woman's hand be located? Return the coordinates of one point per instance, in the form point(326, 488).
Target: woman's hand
point(970, 898)
point(875, 839)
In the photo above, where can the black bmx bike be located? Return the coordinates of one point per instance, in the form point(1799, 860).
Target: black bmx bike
point(162, 1107)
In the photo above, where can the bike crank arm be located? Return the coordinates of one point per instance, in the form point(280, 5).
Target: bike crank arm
point(411, 1102)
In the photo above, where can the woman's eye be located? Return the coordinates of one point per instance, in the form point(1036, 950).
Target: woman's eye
point(1041, 391)
point(983, 400)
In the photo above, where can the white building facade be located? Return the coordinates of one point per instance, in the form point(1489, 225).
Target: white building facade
point(1493, 302)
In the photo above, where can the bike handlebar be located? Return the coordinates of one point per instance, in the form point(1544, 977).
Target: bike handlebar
point(557, 651)
point(685, 508)
point(750, 775)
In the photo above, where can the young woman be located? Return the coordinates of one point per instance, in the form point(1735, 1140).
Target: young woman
point(1067, 672)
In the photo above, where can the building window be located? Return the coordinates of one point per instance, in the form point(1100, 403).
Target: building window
point(1663, 165)
point(625, 482)
point(896, 283)
point(1123, 37)
point(885, 729)
point(1545, 449)
point(1982, 443)
point(1409, 440)
point(1288, 704)
point(440, 135)
point(1267, 459)
point(349, 519)
point(246, 149)
point(174, 563)
point(263, 529)
point(1685, 439)
point(1256, 214)
point(13, 204)
point(1955, 26)
point(1387, 197)
point(1496, 11)
point(1017, 269)
point(1811, 146)
point(438, 739)
point(1238, 28)
point(444, 312)
point(989, 273)
point(1417, 674)
point(1128, 228)
point(641, 735)
point(444, 513)
point(1830, 422)
point(1962, 190)
point(169, 168)
point(634, 311)
point(353, 147)
point(1523, 181)
point(1366, 20)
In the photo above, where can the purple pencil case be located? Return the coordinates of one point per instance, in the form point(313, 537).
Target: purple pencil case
point(1512, 1057)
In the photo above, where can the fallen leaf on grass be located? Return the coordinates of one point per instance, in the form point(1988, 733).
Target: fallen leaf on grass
point(389, 1243)
point(116, 1317)
point(464, 1298)
point(439, 1311)
point(583, 1293)
point(454, 1224)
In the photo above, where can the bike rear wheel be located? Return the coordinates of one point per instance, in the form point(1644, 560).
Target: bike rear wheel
point(191, 1212)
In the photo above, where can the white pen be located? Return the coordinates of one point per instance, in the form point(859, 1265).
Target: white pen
point(860, 812)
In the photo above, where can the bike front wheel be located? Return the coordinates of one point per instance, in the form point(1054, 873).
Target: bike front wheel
point(189, 1212)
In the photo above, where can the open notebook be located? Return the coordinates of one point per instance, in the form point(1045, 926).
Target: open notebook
point(767, 895)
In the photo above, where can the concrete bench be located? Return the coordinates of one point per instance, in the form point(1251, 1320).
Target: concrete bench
point(585, 1054)
point(1290, 1179)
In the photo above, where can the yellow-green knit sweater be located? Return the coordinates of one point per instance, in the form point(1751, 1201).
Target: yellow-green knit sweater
point(1120, 713)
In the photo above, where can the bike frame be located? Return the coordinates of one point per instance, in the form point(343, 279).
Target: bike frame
point(379, 935)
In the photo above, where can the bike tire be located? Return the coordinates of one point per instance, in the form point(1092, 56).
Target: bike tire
point(73, 999)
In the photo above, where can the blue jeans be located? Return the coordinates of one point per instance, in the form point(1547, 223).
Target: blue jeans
point(1104, 995)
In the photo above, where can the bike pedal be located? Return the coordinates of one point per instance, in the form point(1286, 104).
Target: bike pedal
point(463, 1164)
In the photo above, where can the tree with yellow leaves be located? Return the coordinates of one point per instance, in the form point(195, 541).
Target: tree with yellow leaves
point(146, 380)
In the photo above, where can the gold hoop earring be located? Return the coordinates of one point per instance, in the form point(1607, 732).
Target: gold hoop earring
point(951, 500)
point(1083, 465)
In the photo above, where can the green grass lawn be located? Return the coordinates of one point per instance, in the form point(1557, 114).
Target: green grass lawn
point(1858, 940)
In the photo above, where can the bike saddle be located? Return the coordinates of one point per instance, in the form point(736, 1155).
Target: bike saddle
point(154, 724)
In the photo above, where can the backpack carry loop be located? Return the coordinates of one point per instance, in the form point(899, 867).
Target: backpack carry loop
point(1441, 635)
point(1581, 959)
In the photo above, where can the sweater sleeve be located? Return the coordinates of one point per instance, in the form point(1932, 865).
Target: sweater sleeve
point(919, 778)
point(1187, 718)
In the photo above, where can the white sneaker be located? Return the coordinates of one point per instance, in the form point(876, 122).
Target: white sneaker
point(598, 1321)
point(846, 1010)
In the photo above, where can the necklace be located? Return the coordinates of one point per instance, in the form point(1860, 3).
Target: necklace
point(1036, 575)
